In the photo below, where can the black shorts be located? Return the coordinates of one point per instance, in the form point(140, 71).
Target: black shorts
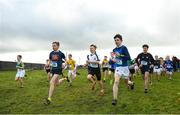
point(48, 70)
point(145, 69)
point(95, 71)
point(132, 71)
point(112, 70)
point(56, 71)
point(104, 69)
point(151, 70)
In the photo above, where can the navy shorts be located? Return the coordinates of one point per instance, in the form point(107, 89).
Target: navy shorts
point(169, 69)
point(48, 70)
point(151, 70)
point(104, 69)
point(112, 70)
point(56, 71)
point(145, 69)
point(132, 71)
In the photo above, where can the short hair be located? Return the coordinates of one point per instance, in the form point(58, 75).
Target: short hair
point(118, 36)
point(92, 45)
point(57, 43)
point(20, 56)
point(70, 55)
point(145, 45)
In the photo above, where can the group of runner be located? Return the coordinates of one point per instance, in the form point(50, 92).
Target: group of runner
point(119, 66)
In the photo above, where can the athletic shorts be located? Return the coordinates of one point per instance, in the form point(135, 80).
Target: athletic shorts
point(132, 71)
point(95, 71)
point(104, 69)
point(169, 70)
point(112, 70)
point(20, 73)
point(145, 69)
point(56, 71)
point(123, 72)
point(48, 70)
point(151, 70)
point(71, 72)
point(157, 70)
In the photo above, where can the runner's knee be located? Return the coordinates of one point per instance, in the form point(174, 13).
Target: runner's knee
point(116, 82)
point(89, 77)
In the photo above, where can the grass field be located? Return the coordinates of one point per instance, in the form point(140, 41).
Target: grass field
point(163, 98)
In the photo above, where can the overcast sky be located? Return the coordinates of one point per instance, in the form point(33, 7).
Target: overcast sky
point(31, 25)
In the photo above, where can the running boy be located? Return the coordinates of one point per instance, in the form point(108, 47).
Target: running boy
point(169, 67)
point(71, 65)
point(111, 68)
point(56, 58)
point(47, 68)
point(122, 71)
point(105, 65)
point(157, 67)
point(94, 69)
point(20, 71)
point(145, 61)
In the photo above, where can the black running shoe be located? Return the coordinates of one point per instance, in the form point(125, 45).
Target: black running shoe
point(47, 102)
point(78, 73)
point(67, 79)
point(132, 86)
point(114, 102)
point(145, 91)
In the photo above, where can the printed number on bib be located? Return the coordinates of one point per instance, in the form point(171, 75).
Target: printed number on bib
point(143, 62)
point(54, 64)
point(119, 62)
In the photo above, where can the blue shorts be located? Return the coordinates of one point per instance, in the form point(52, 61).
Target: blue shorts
point(169, 70)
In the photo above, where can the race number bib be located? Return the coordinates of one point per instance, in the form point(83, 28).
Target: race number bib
point(156, 67)
point(119, 62)
point(144, 63)
point(53, 64)
point(168, 66)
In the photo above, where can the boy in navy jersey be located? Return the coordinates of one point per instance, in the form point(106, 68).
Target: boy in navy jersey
point(56, 59)
point(111, 68)
point(145, 61)
point(157, 67)
point(169, 67)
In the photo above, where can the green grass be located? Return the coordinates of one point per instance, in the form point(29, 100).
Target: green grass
point(163, 98)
